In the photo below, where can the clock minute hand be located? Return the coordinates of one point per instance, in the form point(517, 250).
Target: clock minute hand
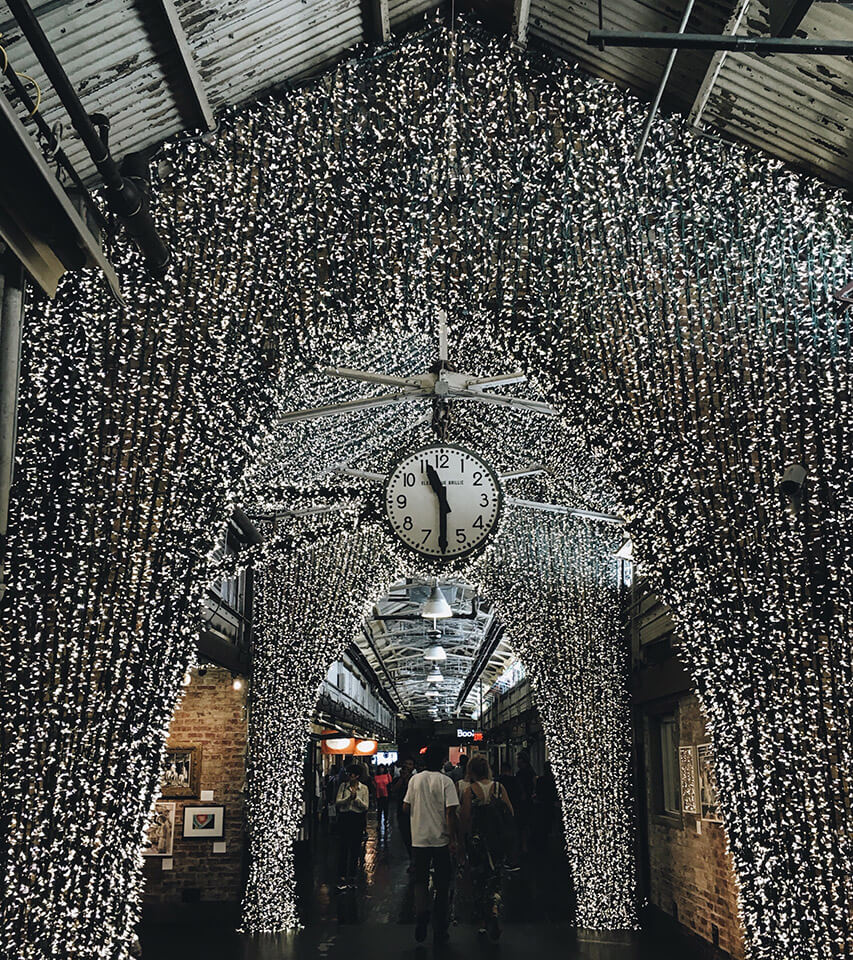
point(443, 506)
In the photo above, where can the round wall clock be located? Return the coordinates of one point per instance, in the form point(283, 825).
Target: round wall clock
point(443, 501)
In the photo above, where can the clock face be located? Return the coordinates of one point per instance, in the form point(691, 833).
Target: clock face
point(442, 501)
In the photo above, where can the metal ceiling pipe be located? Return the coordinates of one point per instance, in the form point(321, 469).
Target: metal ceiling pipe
point(11, 327)
point(662, 86)
point(736, 43)
point(124, 197)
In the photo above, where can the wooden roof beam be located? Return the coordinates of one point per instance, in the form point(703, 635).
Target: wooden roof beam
point(186, 59)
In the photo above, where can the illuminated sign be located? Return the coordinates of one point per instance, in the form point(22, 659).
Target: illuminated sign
point(469, 734)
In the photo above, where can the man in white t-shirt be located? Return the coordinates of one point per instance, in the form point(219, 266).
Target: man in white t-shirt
point(432, 801)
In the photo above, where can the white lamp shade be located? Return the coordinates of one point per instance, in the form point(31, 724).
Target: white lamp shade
point(435, 652)
point(436, 607)
point(435, 677)
point(432, 694)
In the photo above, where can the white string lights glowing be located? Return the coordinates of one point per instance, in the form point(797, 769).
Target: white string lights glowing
point(314, 586)
point(677, 311)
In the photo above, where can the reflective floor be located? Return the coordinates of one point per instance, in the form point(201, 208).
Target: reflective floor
point(376, 920)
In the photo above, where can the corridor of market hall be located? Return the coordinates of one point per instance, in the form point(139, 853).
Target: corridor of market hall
point(410, 437)
point(431, 668)
point(376, 916)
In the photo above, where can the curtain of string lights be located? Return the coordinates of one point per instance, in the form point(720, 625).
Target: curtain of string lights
point(314, 584)
point(677, 310)
point(132, 432)
point(310, 598)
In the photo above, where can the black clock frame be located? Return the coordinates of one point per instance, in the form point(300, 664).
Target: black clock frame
point(477, 548)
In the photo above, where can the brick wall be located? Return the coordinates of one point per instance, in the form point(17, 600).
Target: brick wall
point(691, 872)
point(213, 716)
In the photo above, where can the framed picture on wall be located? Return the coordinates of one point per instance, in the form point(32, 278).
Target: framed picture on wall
point(161, 832)
point(204, 823)
point(181, 772)
point(708, 803)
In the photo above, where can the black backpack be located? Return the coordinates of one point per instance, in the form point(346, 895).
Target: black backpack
point(492, 824)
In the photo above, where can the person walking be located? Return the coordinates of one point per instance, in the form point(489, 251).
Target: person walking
point(432, 801)
point(351, 803)
point(398, 792)
point(525, 777)
point(486, 818)
point(382, 781)
point(546, 804)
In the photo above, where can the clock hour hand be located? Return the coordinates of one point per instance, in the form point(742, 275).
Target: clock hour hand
point(443, 506)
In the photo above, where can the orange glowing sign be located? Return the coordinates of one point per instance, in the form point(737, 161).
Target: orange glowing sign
point(338, 744)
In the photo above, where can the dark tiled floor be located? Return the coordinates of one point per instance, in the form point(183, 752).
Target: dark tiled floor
point(376, 920)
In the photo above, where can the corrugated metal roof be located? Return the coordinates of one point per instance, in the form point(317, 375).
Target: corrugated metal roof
point(118, 54)
point(799, 108)
point(403, 11)
point(118, 69)
point(243, 48)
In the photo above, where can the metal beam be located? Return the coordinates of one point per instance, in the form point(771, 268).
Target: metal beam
point(714, 67)
point(653, 110)
point(12, 288)
point(516, 403)
point(377, 21)
point(562, 508)
point(520, 23)
point(350, 406)
point(533, 470)
point(786, 16)
point(192, 77)
point(713, 41)
point(366, 376)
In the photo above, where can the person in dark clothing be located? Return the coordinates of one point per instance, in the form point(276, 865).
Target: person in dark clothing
point(507, 780)
point(545, 803)
point(397, 790)
point(351, 802)
point(526, 779)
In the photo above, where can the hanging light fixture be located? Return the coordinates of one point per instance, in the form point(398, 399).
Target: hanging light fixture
point(435, 676)
point(436, 607)
point(432, 694)
point(436, 652)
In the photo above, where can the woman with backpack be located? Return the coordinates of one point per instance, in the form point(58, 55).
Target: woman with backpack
point(487, 820)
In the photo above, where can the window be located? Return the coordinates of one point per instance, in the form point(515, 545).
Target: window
point(663, 756)
point(669, 765)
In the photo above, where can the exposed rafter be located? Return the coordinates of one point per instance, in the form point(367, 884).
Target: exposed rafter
point(520, 23)
point(377, 21)
point(186, 59)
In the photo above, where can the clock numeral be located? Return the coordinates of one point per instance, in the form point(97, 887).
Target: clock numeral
point(484, 500)
point(423, 466)
point(402, 500)
point(478, 478)
point(462, 464)
point(407, 523)
point(478, 523)
point(442, 461)
point(408, 479)
point(426, 534)
point(461, 535)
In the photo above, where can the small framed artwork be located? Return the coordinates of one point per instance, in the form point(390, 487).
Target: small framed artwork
point(204, 823)
point(181, 772)
point(161, 831)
